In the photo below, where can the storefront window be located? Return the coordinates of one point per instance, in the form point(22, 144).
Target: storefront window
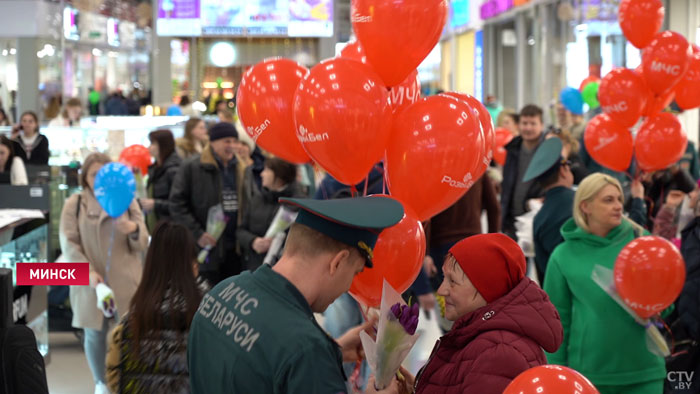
point(8, 75)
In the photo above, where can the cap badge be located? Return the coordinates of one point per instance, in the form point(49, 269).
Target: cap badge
point(366, 248)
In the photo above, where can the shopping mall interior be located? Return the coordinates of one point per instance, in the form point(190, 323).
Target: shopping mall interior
point(124, 121)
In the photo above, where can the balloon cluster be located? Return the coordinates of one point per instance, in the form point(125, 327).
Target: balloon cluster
point(350, 112)
point(670, 69)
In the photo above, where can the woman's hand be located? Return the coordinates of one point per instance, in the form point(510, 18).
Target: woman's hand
point(95, 279)
point(393, 388)
point(126, 226)
point(637, 189)
point(147, 204)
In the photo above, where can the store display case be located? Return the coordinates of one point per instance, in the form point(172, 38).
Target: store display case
point(24, 238)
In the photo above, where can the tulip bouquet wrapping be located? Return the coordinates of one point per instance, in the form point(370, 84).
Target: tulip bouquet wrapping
point(105, 300)
point(396, 335)
point(656, 343)
point(216, 223)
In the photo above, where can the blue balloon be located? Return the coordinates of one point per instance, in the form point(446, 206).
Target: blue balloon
point(572, 100)
point(174, 110)
point(115, 187)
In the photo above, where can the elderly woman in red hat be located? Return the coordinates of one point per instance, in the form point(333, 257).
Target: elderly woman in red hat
point(502, 320)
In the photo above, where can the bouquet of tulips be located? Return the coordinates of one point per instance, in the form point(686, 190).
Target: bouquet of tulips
point(216, 223)
point(396, 335)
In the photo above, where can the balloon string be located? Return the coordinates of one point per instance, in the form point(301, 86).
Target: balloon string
point(109, 251)
point(353, 191)
point(366, 183)
point(386, 181)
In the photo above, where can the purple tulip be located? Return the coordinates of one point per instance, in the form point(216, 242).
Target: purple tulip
point(407, 316)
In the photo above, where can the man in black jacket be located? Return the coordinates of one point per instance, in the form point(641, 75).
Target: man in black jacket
point(203, 182)
point(520, 152)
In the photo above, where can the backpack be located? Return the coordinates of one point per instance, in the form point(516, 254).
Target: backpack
point(22, 367)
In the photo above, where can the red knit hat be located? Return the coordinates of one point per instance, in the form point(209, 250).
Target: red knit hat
point(494, 263)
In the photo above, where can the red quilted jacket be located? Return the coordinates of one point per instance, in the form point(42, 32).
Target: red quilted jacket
point(489, 347)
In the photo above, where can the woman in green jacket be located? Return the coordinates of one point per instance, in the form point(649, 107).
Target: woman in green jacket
point(601, 340)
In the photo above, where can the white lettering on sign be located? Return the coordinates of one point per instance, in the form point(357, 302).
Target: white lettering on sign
point(604, 141)
point(227, 320)
point(466, 183)
point(304, 136)
point(619, 107)
point(255, 132)
point(20, 308)
point(666, 68)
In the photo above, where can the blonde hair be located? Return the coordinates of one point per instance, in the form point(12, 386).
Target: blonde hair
point(567, 138)
point(587, 190)
point(506, 112)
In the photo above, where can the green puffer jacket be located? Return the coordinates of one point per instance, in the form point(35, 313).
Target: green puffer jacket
point(601, 340)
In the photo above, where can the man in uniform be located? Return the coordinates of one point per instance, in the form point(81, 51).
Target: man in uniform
point(256, 332)
point(553, 173)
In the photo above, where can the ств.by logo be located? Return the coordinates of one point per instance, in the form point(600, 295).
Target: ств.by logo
point(53, 274)
point(680, 380)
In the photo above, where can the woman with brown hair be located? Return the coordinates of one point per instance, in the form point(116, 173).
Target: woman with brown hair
point(11, 164)
point(70, 116)
point(195, 139)
point(30, 145)
point(160, 176)
point(113, 247)
point(278, 180)
point(148, 349)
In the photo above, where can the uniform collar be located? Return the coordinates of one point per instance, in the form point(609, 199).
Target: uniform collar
point(283, 288)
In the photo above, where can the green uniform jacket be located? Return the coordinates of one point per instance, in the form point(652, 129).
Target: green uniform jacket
point(601, 340)
point(254, 334)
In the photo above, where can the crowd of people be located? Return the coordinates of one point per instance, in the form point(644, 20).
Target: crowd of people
point(497, 321)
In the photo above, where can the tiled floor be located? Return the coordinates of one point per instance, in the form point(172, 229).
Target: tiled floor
point(67, 371)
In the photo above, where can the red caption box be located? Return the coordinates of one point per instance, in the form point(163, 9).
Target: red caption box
point(53, 274)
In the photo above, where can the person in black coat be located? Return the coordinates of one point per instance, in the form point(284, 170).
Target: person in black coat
point(515, 192)
point(29, 145)
point(278, 180)
point(160, 176)
point(205, 181)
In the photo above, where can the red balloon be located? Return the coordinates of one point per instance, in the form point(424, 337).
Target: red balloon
point(649, 275)
point(640, 20)
point(264, 104)
point(406, 93)
point(550, 379)
point(688, 89)
point(661, 142)
point(622, 95)
point(657, 103)
point(397, 35)
point(486, 123)
point(503, 137)
point(136, 157)
point(665, 61)
point(608, 143)
point(434, 154)
point(398, 258)
point(343, 118)
point(589, 79)
point(353, 51)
